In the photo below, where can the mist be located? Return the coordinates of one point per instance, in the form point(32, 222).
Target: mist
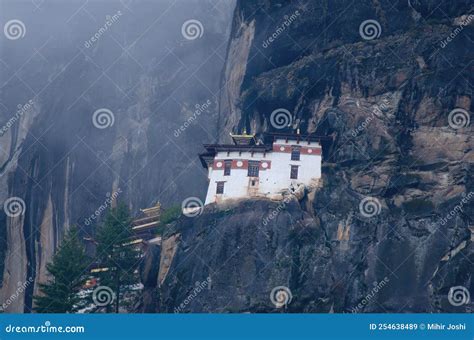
point(101, 98)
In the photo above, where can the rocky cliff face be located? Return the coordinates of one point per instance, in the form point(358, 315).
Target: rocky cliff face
point(159, 90)
point(390, 229)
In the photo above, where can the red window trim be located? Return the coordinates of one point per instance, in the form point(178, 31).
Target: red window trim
point(245, 164)
point(303, 149)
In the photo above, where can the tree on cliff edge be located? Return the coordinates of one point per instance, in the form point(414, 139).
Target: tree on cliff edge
point(68, 272)
point(116, 254)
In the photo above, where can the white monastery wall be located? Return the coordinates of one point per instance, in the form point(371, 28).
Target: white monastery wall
point(274, 173)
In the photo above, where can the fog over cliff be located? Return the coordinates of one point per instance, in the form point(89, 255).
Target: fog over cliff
point(116, 98)
point(146, 73)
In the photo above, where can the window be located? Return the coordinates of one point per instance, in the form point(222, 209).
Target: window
point(253, 169)
point(295, 153)
point(294, 172)
point(220, 188)
point(227, 167)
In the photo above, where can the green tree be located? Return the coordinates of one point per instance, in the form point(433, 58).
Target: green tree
point(168, 216)
point(115, 253)
point(68, 272)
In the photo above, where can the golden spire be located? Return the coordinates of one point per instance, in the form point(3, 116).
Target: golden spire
point(244, 138)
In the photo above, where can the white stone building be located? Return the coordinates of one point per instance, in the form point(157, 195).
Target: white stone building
point(250, 169)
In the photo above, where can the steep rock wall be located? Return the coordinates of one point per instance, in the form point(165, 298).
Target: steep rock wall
point(386, 103)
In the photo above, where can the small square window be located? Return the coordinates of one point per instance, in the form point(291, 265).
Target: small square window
point(295, 153)
point(227, 167)
point(294, 172)
point(253, 169)
point(220, 188)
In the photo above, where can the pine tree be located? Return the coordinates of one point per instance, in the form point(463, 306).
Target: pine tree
point(116, 254)
point(68, 272)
